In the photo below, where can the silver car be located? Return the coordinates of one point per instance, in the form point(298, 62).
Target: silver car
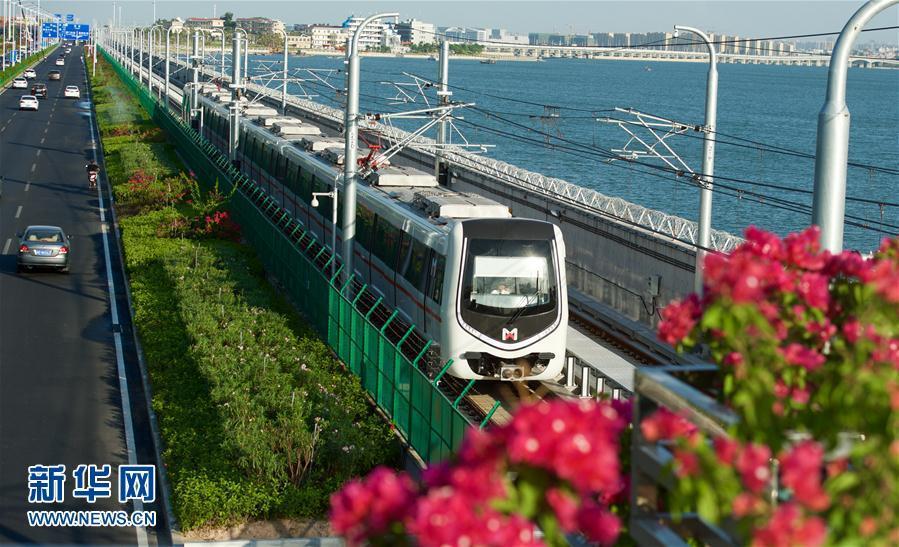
point(44, 246)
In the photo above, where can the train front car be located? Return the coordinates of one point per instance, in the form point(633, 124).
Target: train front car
point(508, 288)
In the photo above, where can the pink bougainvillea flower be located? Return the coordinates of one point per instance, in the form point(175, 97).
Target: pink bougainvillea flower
point(678, 319)
point(797, 354)
point(598, 524)
point(665, 425)
point(367, 507)
point(726, 450)
point(565, 506)
point(788, 527)
point(752, 463)
point(801, 473)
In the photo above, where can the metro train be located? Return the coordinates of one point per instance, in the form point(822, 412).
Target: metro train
point(490, 290)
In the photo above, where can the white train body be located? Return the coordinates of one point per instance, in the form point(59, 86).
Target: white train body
point(490, 290)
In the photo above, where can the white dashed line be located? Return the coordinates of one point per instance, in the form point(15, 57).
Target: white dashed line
point(28, 186)
point(6, 246)
point(33, 167)
point(42, 141)
point(18, 211)
point(39, 150)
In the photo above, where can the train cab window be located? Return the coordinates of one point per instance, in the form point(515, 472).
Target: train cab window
point(506, 277)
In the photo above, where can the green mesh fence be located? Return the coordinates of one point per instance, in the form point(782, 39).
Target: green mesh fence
point(425, 416)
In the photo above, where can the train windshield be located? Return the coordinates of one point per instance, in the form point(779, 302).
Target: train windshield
point(509, 277)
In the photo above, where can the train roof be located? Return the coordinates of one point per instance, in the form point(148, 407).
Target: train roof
point(406, 196)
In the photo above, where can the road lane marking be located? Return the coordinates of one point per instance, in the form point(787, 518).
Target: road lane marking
point(42, 141)
point(33, 167)
point(39, 150)
point(141, 532)
point(27, 185)
point(18, 211)
point(6, 246)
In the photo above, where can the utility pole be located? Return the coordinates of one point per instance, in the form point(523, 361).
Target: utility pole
point(351, 129)
point(154, 12)
point(832, 152)
point(441, 167)
point(234, 110)
point(195, 72)
point(708, 158)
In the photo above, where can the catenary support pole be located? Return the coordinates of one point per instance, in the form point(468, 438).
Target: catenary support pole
point(351, 130)
point(832, 152)
point(441, 169)
point(234, 110)
point(706, 180)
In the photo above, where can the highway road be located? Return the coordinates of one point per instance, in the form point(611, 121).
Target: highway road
point(67, 358)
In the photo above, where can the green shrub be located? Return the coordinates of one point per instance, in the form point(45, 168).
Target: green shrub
point(257, 417)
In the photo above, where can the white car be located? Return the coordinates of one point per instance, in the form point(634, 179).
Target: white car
point(30, 73)
point(68, 50)
point(71, 92)
point(20, 83)
point(28, 102)
point(60, 62)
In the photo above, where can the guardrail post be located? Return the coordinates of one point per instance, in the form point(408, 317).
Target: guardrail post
point(585, 381)
point(569, 371)
point(600, 386)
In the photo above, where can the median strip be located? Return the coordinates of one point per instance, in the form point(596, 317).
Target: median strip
point(258, 419)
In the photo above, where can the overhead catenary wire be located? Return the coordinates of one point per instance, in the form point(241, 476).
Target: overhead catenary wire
point(763, 199)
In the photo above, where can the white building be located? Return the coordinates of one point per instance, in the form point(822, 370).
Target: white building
point(299, 41)
point(327, 36)
point(371, 36)
point(415, 32)
point(506, 37)
point(465, 35)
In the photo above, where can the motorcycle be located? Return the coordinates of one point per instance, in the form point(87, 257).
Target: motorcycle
point(92, 179)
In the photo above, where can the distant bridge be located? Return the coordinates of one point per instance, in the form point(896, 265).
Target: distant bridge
point(575, 52)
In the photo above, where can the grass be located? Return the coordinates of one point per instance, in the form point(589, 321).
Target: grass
point(257, 418)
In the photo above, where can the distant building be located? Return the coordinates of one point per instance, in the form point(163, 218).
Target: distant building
point(415, 32)
point(464, 35)
point(204, 23)
point(582, 40)
point(260, 25)
point(327, 36)
point(299, 41)
point(506, 37)
point(371, 36)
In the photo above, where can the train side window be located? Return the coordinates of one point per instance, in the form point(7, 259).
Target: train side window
point(402, 262)
point(365, 223)
point(293, 177)
point(386, 241)
point(438, 265)
point(305, 184)
point(253, 149)
point(267, 158)
point(282, 167)
point(417, 262)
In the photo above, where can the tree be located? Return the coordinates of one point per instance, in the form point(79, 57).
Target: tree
point(229, 20)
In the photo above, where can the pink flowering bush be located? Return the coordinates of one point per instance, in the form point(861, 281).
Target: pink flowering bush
point(808, 344)
point(554, 465)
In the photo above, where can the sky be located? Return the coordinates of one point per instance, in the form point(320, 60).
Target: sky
point(757, 18)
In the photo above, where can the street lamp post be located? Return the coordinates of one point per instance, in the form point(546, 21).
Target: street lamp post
point(150, 57)
point(351, 128)
point(832, 153)
point(246, 54)
point(708, 157)
point(222, 32)
point(333, 195)
point(284, 83)
point(168, 36)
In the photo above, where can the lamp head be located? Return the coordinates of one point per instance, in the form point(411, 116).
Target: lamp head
point(314, 201)
point(676, 32)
